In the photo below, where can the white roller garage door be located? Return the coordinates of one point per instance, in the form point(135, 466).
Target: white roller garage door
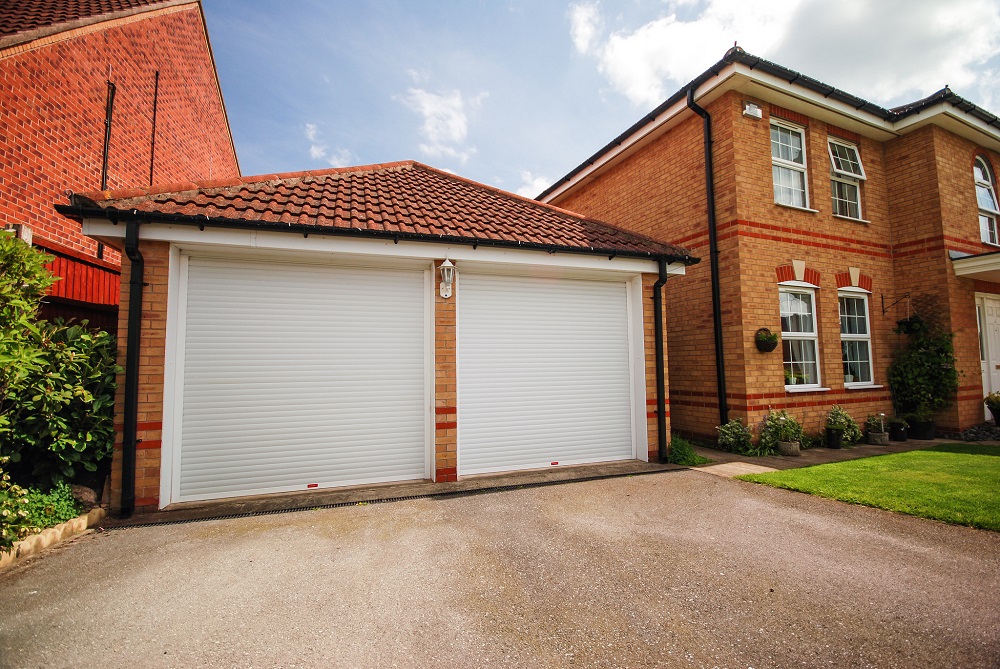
point(299, 376)
point(543, 372)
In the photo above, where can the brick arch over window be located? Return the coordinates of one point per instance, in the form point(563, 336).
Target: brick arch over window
point(787, 273)
point(855, 279)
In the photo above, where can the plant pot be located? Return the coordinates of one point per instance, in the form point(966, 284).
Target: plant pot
point(897, 432)
point(789, 448)
point(834, 437)
point(995, 412)
point(921, 429)
point(765, 340)
point(879, 438)
point(848, 378)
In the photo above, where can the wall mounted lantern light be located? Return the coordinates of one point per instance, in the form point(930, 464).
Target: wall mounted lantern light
point(447, 278)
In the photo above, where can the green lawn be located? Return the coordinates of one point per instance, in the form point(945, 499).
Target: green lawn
point(956, 483)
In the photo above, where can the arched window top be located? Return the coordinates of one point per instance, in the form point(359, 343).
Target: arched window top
point(986, 199)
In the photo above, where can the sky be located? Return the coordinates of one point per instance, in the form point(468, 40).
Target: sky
point(516, 93)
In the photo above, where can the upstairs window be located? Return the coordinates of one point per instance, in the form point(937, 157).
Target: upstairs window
point(788, 165)
point(847, 175)
point(986, 198)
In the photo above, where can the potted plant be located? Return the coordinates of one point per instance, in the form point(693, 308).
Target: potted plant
point(897, 428)
point(876, 427)
point(841, 429)
point(765, 340)
point(780, 432)
point(789, 378)
point(923, 377)
point(921, 424)
point(992, 402)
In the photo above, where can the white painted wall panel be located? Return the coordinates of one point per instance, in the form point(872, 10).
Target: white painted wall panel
point(543, 372)
point(300, 374)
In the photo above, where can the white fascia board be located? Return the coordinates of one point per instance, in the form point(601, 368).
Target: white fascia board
point(954, 120)
point(213, 239)
point(979, 267)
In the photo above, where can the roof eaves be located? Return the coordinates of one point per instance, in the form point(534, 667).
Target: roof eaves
point(55, 28)
point(201, 221)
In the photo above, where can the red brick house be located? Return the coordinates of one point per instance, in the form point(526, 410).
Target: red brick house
point(297, 331)
point(137, 73)
point(826, 219)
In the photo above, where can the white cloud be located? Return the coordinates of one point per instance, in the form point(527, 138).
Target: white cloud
point(896, 51)
point(445, 121)
point(585, 23)
point(339, 157)
point(890, 51)
point(648, 63)
point(532, 184)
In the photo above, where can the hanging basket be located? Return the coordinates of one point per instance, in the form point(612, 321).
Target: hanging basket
point(765, 340)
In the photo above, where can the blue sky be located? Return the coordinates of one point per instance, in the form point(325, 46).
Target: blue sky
point(515, 93)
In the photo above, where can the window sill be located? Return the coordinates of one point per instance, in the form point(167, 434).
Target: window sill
point(862, 386)
point(806, 389)
point(993, 244)
point(796, 207)
point(854, 220)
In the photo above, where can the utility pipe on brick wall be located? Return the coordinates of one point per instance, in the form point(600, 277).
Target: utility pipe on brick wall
point(130, 427)
point(661, 372)
point(713, 248)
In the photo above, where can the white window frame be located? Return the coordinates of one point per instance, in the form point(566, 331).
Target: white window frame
point(987, 217)
point(848, 177)
point(857, 294)
point(782, 164)
point(802, 336)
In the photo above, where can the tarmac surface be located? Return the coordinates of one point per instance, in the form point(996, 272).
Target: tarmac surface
point(676, 568)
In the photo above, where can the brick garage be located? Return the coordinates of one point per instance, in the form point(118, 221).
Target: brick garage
point(55, 61)
point(917, 206)
point(366, 234)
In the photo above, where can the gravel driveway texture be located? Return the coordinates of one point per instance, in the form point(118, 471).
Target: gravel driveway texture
point(679, 569)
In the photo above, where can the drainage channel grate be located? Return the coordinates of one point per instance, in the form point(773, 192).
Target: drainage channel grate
point(452, 494)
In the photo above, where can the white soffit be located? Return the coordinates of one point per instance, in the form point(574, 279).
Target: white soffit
point(215, 240)
point(982, 267)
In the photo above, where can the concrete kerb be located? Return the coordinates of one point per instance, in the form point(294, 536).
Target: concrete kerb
point(50, 537)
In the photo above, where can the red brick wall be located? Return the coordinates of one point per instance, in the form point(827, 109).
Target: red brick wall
point(660, 191)
point(52, 110)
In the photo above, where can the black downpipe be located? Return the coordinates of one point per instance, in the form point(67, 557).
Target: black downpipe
point(661, 381)
point(134, 329)
point(152, 138)
point(109, 110)
point(713, 248)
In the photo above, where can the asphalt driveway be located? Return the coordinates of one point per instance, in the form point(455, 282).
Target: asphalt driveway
point(677, 568)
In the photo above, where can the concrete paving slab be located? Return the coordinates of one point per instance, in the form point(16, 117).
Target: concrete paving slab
point(731, 469)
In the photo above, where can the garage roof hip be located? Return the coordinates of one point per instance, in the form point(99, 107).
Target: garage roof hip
point(400, 201)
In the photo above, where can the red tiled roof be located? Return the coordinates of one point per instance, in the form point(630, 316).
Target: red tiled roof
point(404, 199)
point(21, 16)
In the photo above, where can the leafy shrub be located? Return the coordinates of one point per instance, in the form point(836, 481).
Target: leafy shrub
point(14, 522)
point(735, 437)
point(839, 419)
point(682, 453)
point(57, 382)
point(777, 426)
point(46, 509)
point(923, 377)
point(64, 420)
point(876, 423)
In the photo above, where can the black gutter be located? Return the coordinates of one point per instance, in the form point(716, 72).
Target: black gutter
point(109, 110)
point(201, 221)
point(661, 375)
point(713, 249)
point(130, 440)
